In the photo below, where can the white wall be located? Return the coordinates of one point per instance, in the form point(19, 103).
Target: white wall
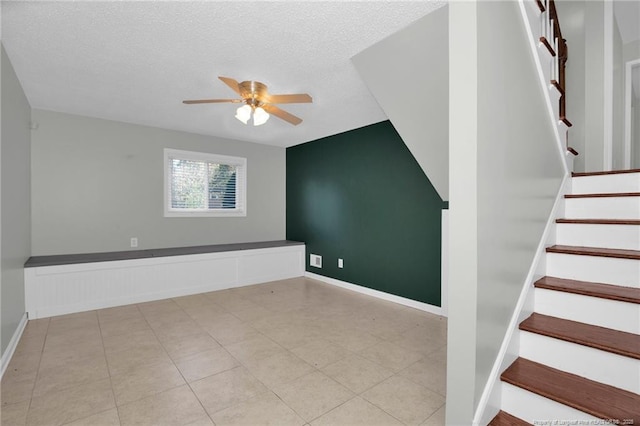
point(463, 223)
point(15, 199)
point(519, 172)
point(631, 52)
point(594, 85)
point(97, 183)
point(504, 177)
point(635, 143)
point(618, 99)
point(408, 74)
point(583, 25)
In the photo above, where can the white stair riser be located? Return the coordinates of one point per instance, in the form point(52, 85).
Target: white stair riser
point(606, 236)
point(535, 409)
point(623, 182)
point(602, 208)
point(625, 272)
point(621, 316)
point(601, 366)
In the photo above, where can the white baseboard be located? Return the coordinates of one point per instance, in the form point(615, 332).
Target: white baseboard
point(13, 344)
point(437, 310)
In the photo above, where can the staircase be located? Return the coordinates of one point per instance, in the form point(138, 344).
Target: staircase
point(579, 352)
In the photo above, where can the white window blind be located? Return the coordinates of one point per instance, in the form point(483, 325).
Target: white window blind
point(202, 184)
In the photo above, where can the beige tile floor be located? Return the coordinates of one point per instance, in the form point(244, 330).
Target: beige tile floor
point(292, 352)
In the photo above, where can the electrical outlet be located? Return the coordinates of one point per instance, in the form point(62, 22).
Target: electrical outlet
point(134, 242)
point(340, 263)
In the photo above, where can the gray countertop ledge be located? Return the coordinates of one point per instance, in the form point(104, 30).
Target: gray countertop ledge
point(68, 259)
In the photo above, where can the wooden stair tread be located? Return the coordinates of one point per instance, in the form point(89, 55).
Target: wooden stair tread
point(612, 172)
point(606, 339)
point(557, 86)
point(601, 221)
point(603, 291)
point(595, 251)
point(566, 121)
point(599, 400)
point(606, 194)
point(546, 44)
point(506, 419)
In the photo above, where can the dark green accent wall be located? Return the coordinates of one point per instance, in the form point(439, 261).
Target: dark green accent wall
point(362, 197)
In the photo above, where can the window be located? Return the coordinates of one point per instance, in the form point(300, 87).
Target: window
point(201, 184)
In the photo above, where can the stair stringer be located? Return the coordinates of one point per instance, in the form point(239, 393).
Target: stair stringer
point(491, 398)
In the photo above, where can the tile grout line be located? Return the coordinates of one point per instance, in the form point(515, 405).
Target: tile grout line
point(104, 352)
point(243, 365)
point(413, 381)
point(267, 387)
point(115, 401)
point(179, 371)
point(434, 413)
point(174, 363)
point(221, 347)
point(314, 317)
point(83, 383)
point(35, 381)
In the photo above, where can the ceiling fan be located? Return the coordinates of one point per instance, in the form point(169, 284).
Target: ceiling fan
point(258, 102)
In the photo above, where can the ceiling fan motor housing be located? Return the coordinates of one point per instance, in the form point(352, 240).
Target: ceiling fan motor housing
point(254, 93)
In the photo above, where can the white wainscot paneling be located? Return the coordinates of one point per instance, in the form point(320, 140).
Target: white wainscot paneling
point(262, 267)
point(64, 289)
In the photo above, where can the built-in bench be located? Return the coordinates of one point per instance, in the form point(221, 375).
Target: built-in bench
point(63, 284)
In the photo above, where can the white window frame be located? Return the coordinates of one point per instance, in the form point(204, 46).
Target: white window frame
point(241, 184)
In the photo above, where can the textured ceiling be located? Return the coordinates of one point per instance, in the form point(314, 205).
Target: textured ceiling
point(136, 61)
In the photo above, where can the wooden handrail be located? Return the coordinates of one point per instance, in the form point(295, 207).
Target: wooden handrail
point(553, 41)
point(563, 55)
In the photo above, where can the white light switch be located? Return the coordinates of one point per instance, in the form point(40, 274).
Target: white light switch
point(340, 263)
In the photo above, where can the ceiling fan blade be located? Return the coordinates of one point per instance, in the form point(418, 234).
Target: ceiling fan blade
point(284, 115)
point(300, 98)
point(233, 84)
point(211, 101)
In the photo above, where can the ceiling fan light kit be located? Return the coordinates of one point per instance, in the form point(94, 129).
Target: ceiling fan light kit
point(243, 113)
point(257, 102)
point(260, 116)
